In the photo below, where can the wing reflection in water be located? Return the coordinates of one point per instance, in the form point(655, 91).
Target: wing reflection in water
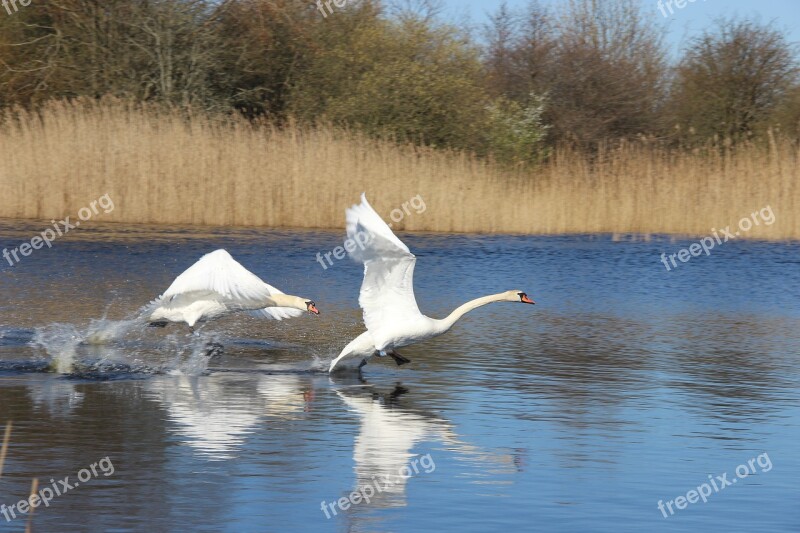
point(390, 429)
point(215, 414)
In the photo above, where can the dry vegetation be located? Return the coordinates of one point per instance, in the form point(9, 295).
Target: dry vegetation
point(4, 446)
point(167, 168)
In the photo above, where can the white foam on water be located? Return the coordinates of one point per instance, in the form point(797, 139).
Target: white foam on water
point(191, 353)
point(119, 344)
point(60, 342)
point(103, 331)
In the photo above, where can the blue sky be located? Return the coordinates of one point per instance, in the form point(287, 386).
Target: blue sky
point(681, 24)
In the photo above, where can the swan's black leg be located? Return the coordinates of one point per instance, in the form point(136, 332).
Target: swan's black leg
point(160, 324)
point(214, 349)
point(399, 359)
point(363, 362)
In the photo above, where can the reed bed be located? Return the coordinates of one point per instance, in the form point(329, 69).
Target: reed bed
point(170, 167)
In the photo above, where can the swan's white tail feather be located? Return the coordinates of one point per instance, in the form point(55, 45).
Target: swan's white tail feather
point(361, 346)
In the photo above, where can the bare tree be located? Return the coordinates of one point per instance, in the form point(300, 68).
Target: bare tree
point(414, 10)
point(607, 76)
point(266, 45)
point(518, 51)
point(731, 78)
point(601, 64)
point(157, 50)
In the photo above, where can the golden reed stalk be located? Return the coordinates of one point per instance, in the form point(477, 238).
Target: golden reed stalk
point(34, 489)
point(4, 446)
point(165, 167)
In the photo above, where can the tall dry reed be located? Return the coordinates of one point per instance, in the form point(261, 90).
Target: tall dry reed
point(167, 167)
point(4, 446)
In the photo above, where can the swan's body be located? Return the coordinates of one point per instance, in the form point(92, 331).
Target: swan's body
point(217, 285)
point(391, 314)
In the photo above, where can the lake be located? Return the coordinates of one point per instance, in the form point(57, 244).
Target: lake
point(630, 398)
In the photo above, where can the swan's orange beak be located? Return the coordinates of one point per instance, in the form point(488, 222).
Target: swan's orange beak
point(312, 308)
point(526, 300)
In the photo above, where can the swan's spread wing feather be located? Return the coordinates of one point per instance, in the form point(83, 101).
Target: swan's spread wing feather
point(364, 224)
point(219, 277)
point(387, 292)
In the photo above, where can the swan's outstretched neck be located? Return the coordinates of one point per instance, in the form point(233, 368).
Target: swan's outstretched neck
point(448, 322)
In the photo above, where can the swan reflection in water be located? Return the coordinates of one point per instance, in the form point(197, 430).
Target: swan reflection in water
point(390, 430)
point(57, 398)
point(215, 414)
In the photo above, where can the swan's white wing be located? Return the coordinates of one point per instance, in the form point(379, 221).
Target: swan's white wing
point(363, 222)
point(217, 272)
point(218, 276)
point(387, 292)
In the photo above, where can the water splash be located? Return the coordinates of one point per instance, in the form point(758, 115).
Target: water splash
point(60, 342)
point(121, 346)
point(191, 353)
point(102, 331)
point(63, 342)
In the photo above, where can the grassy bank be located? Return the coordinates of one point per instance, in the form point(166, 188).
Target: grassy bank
point(159, 167)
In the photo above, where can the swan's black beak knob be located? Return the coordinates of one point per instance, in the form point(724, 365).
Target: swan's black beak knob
point(525, 299)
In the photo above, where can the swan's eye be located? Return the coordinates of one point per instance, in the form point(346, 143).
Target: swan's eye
point(524, 298)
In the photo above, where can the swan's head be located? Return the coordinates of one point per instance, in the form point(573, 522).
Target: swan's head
point(311, 307)
point(517, 296)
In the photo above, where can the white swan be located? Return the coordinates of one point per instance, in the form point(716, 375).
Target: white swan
point(217, 285)
point(391, 314)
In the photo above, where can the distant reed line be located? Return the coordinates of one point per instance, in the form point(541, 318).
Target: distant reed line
point(167, 167)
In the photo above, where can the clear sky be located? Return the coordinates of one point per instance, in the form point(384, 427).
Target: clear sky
point(681, 24)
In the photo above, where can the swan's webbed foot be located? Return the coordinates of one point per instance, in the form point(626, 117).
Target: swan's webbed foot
point(214, 349)
point(399, 359)
point(158, 324)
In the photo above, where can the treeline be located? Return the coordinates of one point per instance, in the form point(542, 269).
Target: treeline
point(588, 73)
